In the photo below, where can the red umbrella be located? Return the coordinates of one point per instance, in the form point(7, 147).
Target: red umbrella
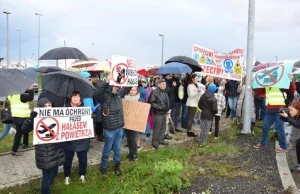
point(153, 71)
point(143, 72)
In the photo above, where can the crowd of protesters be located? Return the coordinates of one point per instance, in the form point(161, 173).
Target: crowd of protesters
point(183, 99)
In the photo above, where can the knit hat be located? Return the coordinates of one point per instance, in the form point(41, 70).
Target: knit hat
point(42, 102)
point(212, 88)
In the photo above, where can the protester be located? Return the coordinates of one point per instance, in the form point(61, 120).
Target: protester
point(160, 104)
point(208, 105)
point(221, 104)
point(81, 146)
point(48, 157)
point(20, 112)
point(171, 84)
point(194, 90)
point(184, 110)
point(131, 135)
point(112, 123)
point(6, 129)
point(275, 100)
point(232, 87)
point(241, 104)
point(175, 112)
point(292, 116)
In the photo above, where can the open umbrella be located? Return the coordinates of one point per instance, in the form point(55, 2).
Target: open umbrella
point(101, 66)
point(49, 69)
point(31, 72)
point(143, 72)
point(174, 68)
point(64, 53)
point(84, 64)
point(63, 83)
point(14, 81)
point(153, 71)
point(193, 64)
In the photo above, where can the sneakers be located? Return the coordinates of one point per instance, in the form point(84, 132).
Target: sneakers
point(216, 138)
point(280, 150)
point(258, 146)
point(67, 180)
point(82, 178)
point(132, 158)
point(209, 133)
point(191, 134)
point(296, 168)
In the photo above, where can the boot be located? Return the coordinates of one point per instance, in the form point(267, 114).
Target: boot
point(118, 170)
point(103, 171)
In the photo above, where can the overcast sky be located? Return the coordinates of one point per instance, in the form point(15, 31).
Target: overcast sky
point(131, 27)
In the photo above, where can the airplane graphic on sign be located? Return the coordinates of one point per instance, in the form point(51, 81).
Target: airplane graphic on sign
point(274, 76)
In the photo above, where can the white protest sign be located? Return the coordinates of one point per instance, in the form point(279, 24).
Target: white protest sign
point(53, 125)
point(123, 71)
point(217, 64)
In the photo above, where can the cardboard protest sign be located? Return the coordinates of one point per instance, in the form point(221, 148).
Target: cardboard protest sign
point(123, 71)
point(217, 64)
point(272, 75)
point(135, 115)
point(53, 125)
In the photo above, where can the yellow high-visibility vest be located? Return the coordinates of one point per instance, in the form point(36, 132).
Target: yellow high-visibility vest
point(275, 97)
point(18, 108)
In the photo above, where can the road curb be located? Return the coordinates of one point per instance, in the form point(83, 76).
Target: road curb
point(284, 171)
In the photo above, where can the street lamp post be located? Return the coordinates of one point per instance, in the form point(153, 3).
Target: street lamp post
point(39, 15)
point(19, 46)
point(276, 57)
point(1, 62)
point(7, 40)
point(93, 49)
point(162, 49)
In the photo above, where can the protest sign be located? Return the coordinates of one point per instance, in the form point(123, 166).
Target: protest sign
point(217, 64)
point(123, 71)
point(135, 115)
point(272, 75)
point(53, 125)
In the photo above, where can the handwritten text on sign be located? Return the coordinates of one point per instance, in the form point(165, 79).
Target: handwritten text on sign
point(54, 125)
point(135, 115)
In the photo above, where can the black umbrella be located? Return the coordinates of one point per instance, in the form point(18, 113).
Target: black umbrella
point(49, 69)
point(193, 64)
point(14, 81)
point(297, 64)
point(63, 83)
point(64, 53)
point(31, 72)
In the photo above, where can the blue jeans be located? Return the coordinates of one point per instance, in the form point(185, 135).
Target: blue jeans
point(112, 138)
point(184, 116)
point(232, 101)
point(47, 179)
point(175, 114)
point(263, 108)
point(6, 130)
point(270, 119)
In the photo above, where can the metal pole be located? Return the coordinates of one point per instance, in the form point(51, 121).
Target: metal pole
point(19, 46)
point(39, 36)
point(276, 57)
point(65, 59)
point(250, 54)
point(93, 50)
point(7, 39)
point(162, 49)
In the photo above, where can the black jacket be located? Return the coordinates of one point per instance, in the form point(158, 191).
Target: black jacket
point(98, 112)
point(294, 122)
point(171, 93)
point(77, 145)
point(112, 115)
point(232, 87)
point(208, 105)
point(159, 101)
point(185, 84)
point(50, 155)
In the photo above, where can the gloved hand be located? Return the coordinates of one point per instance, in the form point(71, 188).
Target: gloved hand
point(33, 114)
point(95, 107)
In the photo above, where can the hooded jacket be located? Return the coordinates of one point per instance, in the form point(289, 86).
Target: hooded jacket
point(208, 105)
point(112, 107)
point(49, 155)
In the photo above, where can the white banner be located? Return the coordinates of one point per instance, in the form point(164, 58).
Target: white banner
point(217, 64)
point(123, 71)
point(54, 125)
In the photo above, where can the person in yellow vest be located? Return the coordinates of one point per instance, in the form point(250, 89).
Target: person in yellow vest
point(276, 99)
point(20, 111)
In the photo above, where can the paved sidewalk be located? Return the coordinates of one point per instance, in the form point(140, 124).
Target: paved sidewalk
point(19, 170)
